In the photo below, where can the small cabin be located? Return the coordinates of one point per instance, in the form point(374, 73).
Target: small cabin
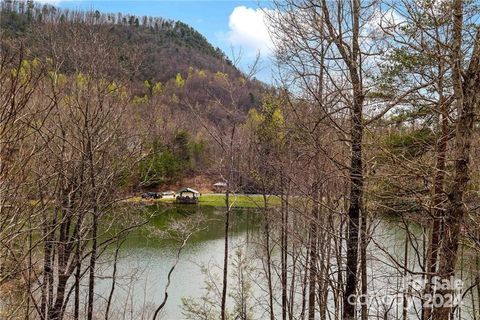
point(187, 196)
point(220, 187)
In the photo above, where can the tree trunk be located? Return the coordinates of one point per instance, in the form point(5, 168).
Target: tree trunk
point(283, 266)
point(269, 258)
point(363, 263)
point(351, 55)
point(114, 280)
point(467, 98)
point(225, 255)
point(356, 200)
point(313, 255)
point(227, 225)
point(93, 260)
point(437, 197)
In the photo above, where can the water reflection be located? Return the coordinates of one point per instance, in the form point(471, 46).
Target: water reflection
point(147, 257)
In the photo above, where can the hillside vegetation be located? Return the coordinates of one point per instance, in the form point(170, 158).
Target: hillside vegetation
point(154, 48)
point(166, 68)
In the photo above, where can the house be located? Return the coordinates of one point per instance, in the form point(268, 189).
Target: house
point(220, 187)
point(187, 196)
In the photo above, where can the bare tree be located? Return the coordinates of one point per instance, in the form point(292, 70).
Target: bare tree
point(467, 99)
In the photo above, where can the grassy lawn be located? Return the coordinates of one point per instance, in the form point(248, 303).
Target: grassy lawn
point(238, 201)
point(218, 200)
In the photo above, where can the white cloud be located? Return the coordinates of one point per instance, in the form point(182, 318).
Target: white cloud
point(384, 20)
point(248, 30)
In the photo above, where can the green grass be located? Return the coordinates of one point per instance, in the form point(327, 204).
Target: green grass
point(238, 201)
point(218, 200)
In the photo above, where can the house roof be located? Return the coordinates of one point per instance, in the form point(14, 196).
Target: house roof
point(188, 190)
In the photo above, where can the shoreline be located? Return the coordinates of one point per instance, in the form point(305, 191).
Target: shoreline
point(215, 200)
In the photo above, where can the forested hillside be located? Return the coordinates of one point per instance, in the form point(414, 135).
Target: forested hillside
point(165, 67)
point(162, 47)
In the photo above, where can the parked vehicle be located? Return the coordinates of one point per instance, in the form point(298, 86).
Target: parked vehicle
point(151, 195)
point(169, 194)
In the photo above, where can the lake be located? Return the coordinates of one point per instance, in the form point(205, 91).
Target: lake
point(148, 254)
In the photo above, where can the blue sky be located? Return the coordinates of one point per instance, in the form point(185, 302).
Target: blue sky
point(227, 24)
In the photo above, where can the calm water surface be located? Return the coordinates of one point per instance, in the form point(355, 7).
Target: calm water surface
point(146, 258)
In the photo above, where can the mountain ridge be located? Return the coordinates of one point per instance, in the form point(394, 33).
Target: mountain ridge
point(169, 46)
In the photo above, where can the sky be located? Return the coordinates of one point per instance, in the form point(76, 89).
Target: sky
point(236, 27)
